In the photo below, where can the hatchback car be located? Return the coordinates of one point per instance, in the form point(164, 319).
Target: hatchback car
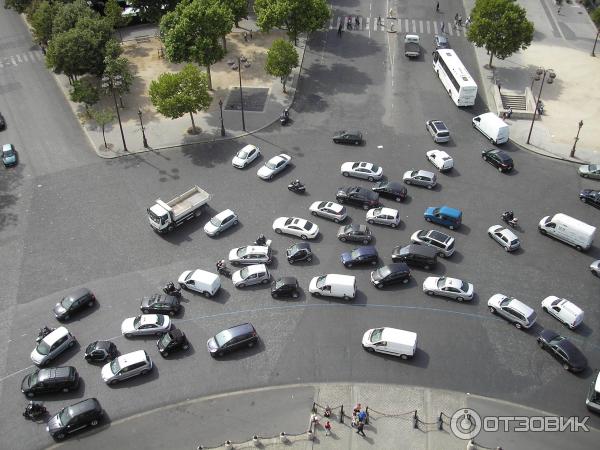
point(448, 287)
point(590, 197)
point(234, 338)
point(354, 233)
point(511, 309)
point(563, 310)
point(52, 345)
point(285, 287)
point(441, 41)
point(589, 171)
point(438, 130)
point(251, 275)
point(250, 254)
point(127, 366)
point(173, 340)
point(358, 196)
point(416, 255)
point(420, 178)
point(391, 274)
point(360, 256)
point(503, 236)
point(563, 350)
point(329, 210)
point(73, 303)
point(145, 324)
point(595, 268)
point(443, 243)
point(273, 166)
point(348, 137)
point(296, 227)
point(364, 170)
point(75, 417)
point(9, 155)
point(299, 252)
point(221, 222)
point(391, 189)
point(55, 379)
point(245, 156)
point(100, 351)
point(499, 159)
point(160, 304)
point(440, 159)
point(384, 216)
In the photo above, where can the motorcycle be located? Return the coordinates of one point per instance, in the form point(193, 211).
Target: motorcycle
point(297, 187)
point(284, 118)
point(34, 411)
point(43, 332)
point(509, 218)
point(222, 269)
point(170, 289)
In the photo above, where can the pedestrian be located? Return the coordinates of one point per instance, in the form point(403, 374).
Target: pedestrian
point(437, 7)
point(379, 20)
point(357, 408)
point(460, 21)
point(443, 27)
point(250, 34)
point(357, 22)
point(456, 17)
point(360, 429)
point(327, 428)
point(340, 29)
point(559, 8)
point(468, 21)
point(349, 24)
point(510, 111)
point(245, 37)
point(327, 412)
point(362, 416)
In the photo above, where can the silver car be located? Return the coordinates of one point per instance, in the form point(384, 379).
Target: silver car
point(511, 309)
point(250, 254)
point(441, 242)
point(273, 166)
point(590, 171)
point(52, 345)
point(364, 170)
point(126, 366)
point(504, 237)
point(250, 275)
point(221, 222)
point(329, 210)
point(384, 216)
point(448, 287)
point(420, 178)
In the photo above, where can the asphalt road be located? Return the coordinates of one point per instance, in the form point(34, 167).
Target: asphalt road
point(69, 219)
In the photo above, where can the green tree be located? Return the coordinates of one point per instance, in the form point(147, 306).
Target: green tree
point(113, 12)
point(68, 14)
point(103, 117)
point(595, 15)
point(295, 16)
point(41, 21)
point(153, 10)
point(118, 68)
point(239, 9)
point(191, 33)
point(282, 57)
point(112, 49)
point(176, 94)
point(18, 5)
point(500, 26)
point(84, 91)
point(67, 53)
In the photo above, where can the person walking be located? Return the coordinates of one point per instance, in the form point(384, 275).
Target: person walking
point(245, 37)
point(456, 17)
point(340, 29)
point(360, 429)
point(327, 428)
point(460, 21)
point(443, 27)
point(510, 111)
point(437, 7)
point(362, 416)
point(468, 21)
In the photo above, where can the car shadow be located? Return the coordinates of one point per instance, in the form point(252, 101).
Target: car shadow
point(457, 257)
point(465, 230)
point(454, 173)
point(222, 296)
point(583, 330)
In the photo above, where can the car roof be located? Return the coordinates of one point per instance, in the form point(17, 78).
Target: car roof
point(256, 249)
point(302, 245)
point(255, 268)
point(248, 147)
point(509, 234)
point(397, 267)
point(148, 318)
point(452, 282)
point(355, 226)
point(243, 328)
point(55, 372)
point(132, 358)
point(288, 280)
point(366, 250)
point(401, 336)
point(392, 185)
point(419, 249)
point(389, 211)
point(438, 235)
point(89, 404)
point(176, 333)
point(79, 293)
point(7, 147)
point(522, 307)
point(56, 335)
point(451, 212)
point(105, 345)
point(425, 173)
point(224, 214)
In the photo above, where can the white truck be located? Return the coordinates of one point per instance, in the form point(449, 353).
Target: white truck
point(569, 230)
point(165, 216)
point(412, 46)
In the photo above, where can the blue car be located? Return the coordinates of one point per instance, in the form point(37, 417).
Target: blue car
point(360, 255)
point(9, 155)
point(444, 215)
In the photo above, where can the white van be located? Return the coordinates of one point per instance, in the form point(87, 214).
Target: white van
point(391, 341)
point(333, 285)
point(206, 283)
point(569, 230)
point(492, 127)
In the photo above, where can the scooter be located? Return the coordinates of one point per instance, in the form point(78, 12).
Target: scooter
point(34, 411)
point(510, 219)
point(222, 269)
point(170, 289)
point(297, 187)
point(43, 332)
point(284, 118)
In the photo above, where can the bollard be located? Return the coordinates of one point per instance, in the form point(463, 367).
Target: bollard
point(228, 444)
point(440, 422)
point(314, 408)
point(283, 438)
point(367, 412)
point(255, 441)
point(342, 414)
point(415, 420)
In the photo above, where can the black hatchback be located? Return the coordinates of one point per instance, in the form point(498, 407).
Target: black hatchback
point(74, 302)
point(390, 189)
point(499, 159)
point(299, 252)
point(171, 341)
point(563, 350)
point(285, 287)
point(416, 255)
point(361, 255)
point(100, 351)
point(55, 379)
point(590, 196)
point(348, 137)
point(75, 417)
point(390, 274)
point(160, 304)
point(234, 338)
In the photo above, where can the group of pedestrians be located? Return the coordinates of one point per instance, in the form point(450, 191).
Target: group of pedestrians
point(359, 418)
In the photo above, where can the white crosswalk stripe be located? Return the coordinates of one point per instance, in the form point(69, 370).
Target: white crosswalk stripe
point(362, 23)
point(21, 58)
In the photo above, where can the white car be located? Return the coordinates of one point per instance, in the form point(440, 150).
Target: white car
point(146, 324)
point(273, 166)
point(440, 159)
point(365, 170)
point(245, 156)
point(384, 216)
point(52, 345)
point(329, 210)
point(504, 237)
point(296, 227)
point(250, 275)
point(595, 267)
point(220, 222)
point(448, 287)
point(250, 254)
point(513, 310)
point(126, 366)
point(562, 309)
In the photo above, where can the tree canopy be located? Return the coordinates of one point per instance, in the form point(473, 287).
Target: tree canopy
point(41, 19)
point(68, 14)
point(282, 57)
point(153, 10)
point(239, 9)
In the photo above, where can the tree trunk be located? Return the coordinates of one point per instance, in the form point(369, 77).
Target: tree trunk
point(283, 80)
point(209, 78)
point(491, 57)
point(193, 123)
point(224, 43)
point(104, 137)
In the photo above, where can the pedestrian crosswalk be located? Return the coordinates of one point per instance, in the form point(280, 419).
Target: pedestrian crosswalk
point(21, 58)
point(400, 25)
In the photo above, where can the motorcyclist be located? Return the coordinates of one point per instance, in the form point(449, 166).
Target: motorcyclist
point(261, 240)
point(221, 265)
point(33, 409)
point(508, 215)
point(297, 184)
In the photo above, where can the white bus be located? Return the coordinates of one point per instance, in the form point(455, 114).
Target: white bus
point(461, 88)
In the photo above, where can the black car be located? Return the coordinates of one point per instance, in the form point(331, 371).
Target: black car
point(499, 159)
point(355, 233)
point(391, 189)
point(441, 41)
point(100, 351)
point(299, 252)
point(75, 417)
point(563, 350)
point(360, 255)
point(234, 338)
point(2, 122)
point(390, 274)
point(285, 287)
point(171, 341)
point(416, 255)
point(348, 137)
point(74, 302)
point(590, 196)
point(358, 196)
point(55, 379)
point(160, 304)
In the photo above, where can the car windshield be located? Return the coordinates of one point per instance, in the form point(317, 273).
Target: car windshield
point(115, 367)
point(505, 301)
point(376, 211)
point(242, 251)
point(355, 253)
point(514, 242)
point(33, 379)
point(279, 284)
point(383, 271)
point(243, 154)
point(320, 281)
point(272, 164)
point(244, 272)
point(67, 302)
point(160, 319)
point(64, 416)
point(414, 173)
point(8, 153)
point(223, 337)
point(165, 339)
point(464, 286)
point(215, 221)
point(137, 321)
point(43, 348)
point(376, 335)
point(308, 225)
point(374, 168)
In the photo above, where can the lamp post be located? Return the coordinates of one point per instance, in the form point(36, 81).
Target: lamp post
point(595, 42)
point(241, 93)
point(143, 130)
point(576, 138)
point(111, 82)
point(551, 77)
point(222, 126)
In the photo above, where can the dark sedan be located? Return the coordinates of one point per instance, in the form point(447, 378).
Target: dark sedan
point(358, 196)
point(74, 302)
point(355, 233)
point(348, 137)
point(590, 196)
point(171, 341)
point(160, 304)
point(499, 159)
point(299, 252)
point(563, 350)
point(390, 274)
point(285, 287)
point(100, 351)
point(391, 189)
point(360, 255)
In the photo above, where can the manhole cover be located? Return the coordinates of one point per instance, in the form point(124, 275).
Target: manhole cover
point(254, 99)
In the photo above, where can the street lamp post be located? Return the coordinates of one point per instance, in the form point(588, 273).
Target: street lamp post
point(595, 42)
point(241, 93)
point(222, 126)
point(143, 130)
point(580, 124)
point(110, 82)
point(551, 77)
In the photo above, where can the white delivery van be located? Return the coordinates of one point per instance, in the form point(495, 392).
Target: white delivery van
point(391, 341)
point(492, 127)
point(569, 230)
point(206, 283)
point(333, 285)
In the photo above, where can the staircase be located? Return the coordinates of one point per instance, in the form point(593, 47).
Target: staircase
point(516, 102)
